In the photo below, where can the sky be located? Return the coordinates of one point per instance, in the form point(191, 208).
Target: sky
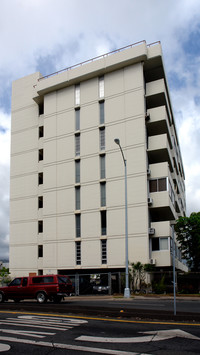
point(50, 35)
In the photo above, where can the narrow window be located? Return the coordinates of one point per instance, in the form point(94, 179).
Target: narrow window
point(77, 144)
point(40, 178)
point(40, 154)
point(40, 251)
point(153, 185)
point(101, 86)
point(155, 244)
point(40, 272)
point(40, 201)
point(77, 119)
point(103, 194)
point(78, 225)
point(101, 112)
point(41, 131)
point(102, 139)
point(77, 171)
point(104, 251)
point(77, 198)
point(41, 108)
point(102, 166)
point(103, 223)
point(162, 184)
point(78, 253)
point(40, 226)
point(77, 94)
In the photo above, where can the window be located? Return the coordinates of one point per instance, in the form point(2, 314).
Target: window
point(102, 139)
point(158, 185)
point(16, 282)
point(101, 112)
point(40, 251)
point(160, 244)
point(40, 178)
point(102, 166)
point(77, 94)
point(40, 154)
point(40, 201)
point(40, 226)
point(103, 223)
point(78, 225)
point(41, 131)
point(43, 280)
point(77, 144)
point(41, 108)
point(25, 281)
point(101, 86)
point(77, 171)
point(164, 244)
point(77, 119)
point(171, 193)
point(104, 251)
point(77, 198)
point(78, 253)
point(155, 244)
point(103, 194)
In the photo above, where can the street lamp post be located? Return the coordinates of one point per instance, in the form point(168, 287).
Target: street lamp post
point(126, 290)
point(174, 270)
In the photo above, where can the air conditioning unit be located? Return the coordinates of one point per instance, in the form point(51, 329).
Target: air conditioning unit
point(150, 201)
point(151, 231)
point(147, 117)
point(153, 261)
point(148, 172)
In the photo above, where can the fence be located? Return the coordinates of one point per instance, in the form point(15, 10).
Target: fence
point(151, 282)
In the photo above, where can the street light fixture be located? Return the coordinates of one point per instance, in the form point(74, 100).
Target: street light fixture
point(126, 290)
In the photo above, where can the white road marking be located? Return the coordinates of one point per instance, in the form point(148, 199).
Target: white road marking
point(4, 347)
point(68, 321)
point(21, 324)
point(70, 347)
point(156, 336)
point(26, 333)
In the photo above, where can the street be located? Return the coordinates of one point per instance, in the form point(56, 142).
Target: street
point(188, 309)
point(22, 333)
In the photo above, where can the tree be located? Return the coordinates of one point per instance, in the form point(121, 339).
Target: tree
point(4, 275)
point(137, 274)
point(188, 234)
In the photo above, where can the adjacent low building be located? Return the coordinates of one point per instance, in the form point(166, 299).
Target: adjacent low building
point(67, 207)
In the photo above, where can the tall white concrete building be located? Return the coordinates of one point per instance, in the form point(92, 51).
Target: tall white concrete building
point(67, 208)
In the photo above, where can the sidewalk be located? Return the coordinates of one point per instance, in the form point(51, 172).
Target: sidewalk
point(121, 297)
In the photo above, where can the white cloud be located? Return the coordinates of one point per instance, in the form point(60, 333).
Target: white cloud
point(50, 35)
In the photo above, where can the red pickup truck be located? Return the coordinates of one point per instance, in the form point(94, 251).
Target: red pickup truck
point(41, 288)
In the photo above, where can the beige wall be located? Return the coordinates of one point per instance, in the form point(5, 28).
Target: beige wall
point(124, 119)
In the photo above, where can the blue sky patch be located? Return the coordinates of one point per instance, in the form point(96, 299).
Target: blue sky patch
point(2, 129)
point(197, 100)
point(191, 46)
point(176, 82)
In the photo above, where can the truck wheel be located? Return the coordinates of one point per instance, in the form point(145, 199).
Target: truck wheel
point(41, 297)
point(1, 297)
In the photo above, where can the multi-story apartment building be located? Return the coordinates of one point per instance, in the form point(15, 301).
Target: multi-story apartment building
point(67, 211)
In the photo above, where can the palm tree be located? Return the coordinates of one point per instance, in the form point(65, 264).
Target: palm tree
point(138, 269)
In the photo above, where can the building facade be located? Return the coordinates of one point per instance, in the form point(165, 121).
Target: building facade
point(67, 208)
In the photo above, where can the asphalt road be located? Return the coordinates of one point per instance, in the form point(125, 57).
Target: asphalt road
point(22, 333)
point(138, 307)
